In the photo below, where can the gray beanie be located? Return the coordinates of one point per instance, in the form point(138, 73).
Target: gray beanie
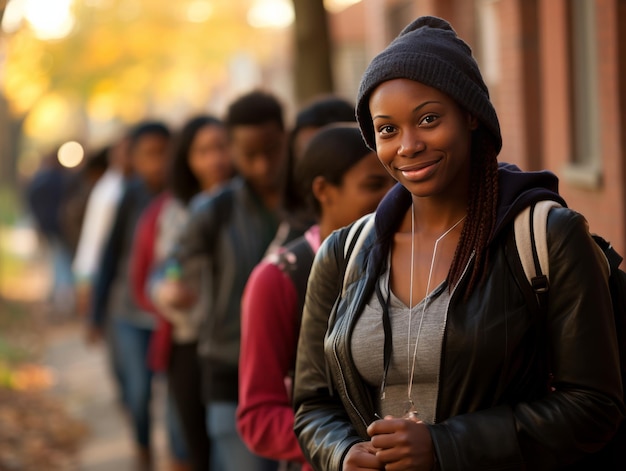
point(429, 51)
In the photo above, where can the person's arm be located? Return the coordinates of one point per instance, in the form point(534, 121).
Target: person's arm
point(322, 425)
point(268, 349)
point(585, 408)
point(196, 242)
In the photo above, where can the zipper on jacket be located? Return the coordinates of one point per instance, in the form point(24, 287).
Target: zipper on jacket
point(331, 323)
point(343, 382)
point(445, 334)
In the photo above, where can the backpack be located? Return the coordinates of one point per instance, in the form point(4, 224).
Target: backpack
point(355, 238)
point(297, 258)
point(295, 261)
point(530, 231)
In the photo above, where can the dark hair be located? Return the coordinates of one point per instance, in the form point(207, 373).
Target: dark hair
point(146, 128)
point(254, 108)
point(183, 183)
point(97, 160)
point(333, 150)
point(481, 211)
point(319, 112)
point(323, 111)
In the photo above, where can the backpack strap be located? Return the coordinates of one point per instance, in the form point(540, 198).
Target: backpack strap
point(532, 246)
point(354, 241)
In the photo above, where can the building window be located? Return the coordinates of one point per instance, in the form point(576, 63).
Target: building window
point(489, 42)
point(349, 63)
point(585, 165)
point(399, 15)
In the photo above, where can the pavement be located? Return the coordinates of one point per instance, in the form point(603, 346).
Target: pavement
point(80, 373)
point(84, 385)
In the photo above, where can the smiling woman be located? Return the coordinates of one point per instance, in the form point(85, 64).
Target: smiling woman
point(49, 20)
point(425, 355)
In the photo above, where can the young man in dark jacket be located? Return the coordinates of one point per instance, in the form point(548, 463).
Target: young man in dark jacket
point(232, 230)
point(112, 303)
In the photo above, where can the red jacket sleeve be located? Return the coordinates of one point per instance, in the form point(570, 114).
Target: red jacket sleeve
point(269, 336)
point(142, 254)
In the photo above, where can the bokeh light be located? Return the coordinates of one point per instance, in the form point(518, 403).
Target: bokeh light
point(49, 19)
point(271, 14)
point(71, 154)
point(338, 5)
point(199, 11)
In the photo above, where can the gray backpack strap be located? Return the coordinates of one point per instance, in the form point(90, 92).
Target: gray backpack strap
point(532, 243)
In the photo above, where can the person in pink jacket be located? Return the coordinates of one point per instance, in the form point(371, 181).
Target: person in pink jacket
point(340, 180)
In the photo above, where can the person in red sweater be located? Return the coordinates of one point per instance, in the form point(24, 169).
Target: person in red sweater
point(341, 180)
point(201, 164)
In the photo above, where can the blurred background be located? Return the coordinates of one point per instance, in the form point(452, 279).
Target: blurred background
point(75, 73)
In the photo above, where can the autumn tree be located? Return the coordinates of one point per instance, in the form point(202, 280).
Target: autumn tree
point(122, 61)
point(313, 73)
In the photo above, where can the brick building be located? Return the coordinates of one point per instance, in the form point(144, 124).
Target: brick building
point(555, 70)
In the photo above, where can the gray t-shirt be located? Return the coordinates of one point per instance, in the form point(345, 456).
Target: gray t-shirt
point(367, 346)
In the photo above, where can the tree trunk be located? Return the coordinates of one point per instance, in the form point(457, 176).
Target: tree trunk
point(3, 6)
point(313, 72)
point(10, 130)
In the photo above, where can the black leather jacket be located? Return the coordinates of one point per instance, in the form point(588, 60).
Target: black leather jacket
point(495, 408)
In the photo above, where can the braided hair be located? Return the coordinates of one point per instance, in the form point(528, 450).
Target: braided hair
point(481, 212)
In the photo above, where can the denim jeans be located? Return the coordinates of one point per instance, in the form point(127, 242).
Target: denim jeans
point(228, 452)
point(62, 295)
point(175, 436)
point(132, 343)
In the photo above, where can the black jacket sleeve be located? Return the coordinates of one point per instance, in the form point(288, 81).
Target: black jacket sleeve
point(321, 423)
point(584, 408)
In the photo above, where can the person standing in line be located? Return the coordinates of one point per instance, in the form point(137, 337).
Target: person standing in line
point(76, 195)
point(99, 215)
point(98, 219)
point(132, 327)
point(424, 354)
point(44, 196)
point(232, 231)
point(201, 165)
point(317, 113)
point(340, 180)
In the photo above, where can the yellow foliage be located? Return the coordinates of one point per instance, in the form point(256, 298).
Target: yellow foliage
point(124, 58)
point(51, 115)
point(101, 105)
point(32, 377)
point(27, 377)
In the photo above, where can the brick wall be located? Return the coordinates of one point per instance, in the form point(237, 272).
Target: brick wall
point(533, 94)
point(603, 206)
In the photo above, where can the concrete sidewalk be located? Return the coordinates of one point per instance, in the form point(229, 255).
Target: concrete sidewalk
point(83, 383)
point(81, 373)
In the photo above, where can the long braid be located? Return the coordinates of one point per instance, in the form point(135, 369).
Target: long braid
point(481, 212)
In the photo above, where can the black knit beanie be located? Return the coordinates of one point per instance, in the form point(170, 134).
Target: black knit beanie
point(429, 51)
